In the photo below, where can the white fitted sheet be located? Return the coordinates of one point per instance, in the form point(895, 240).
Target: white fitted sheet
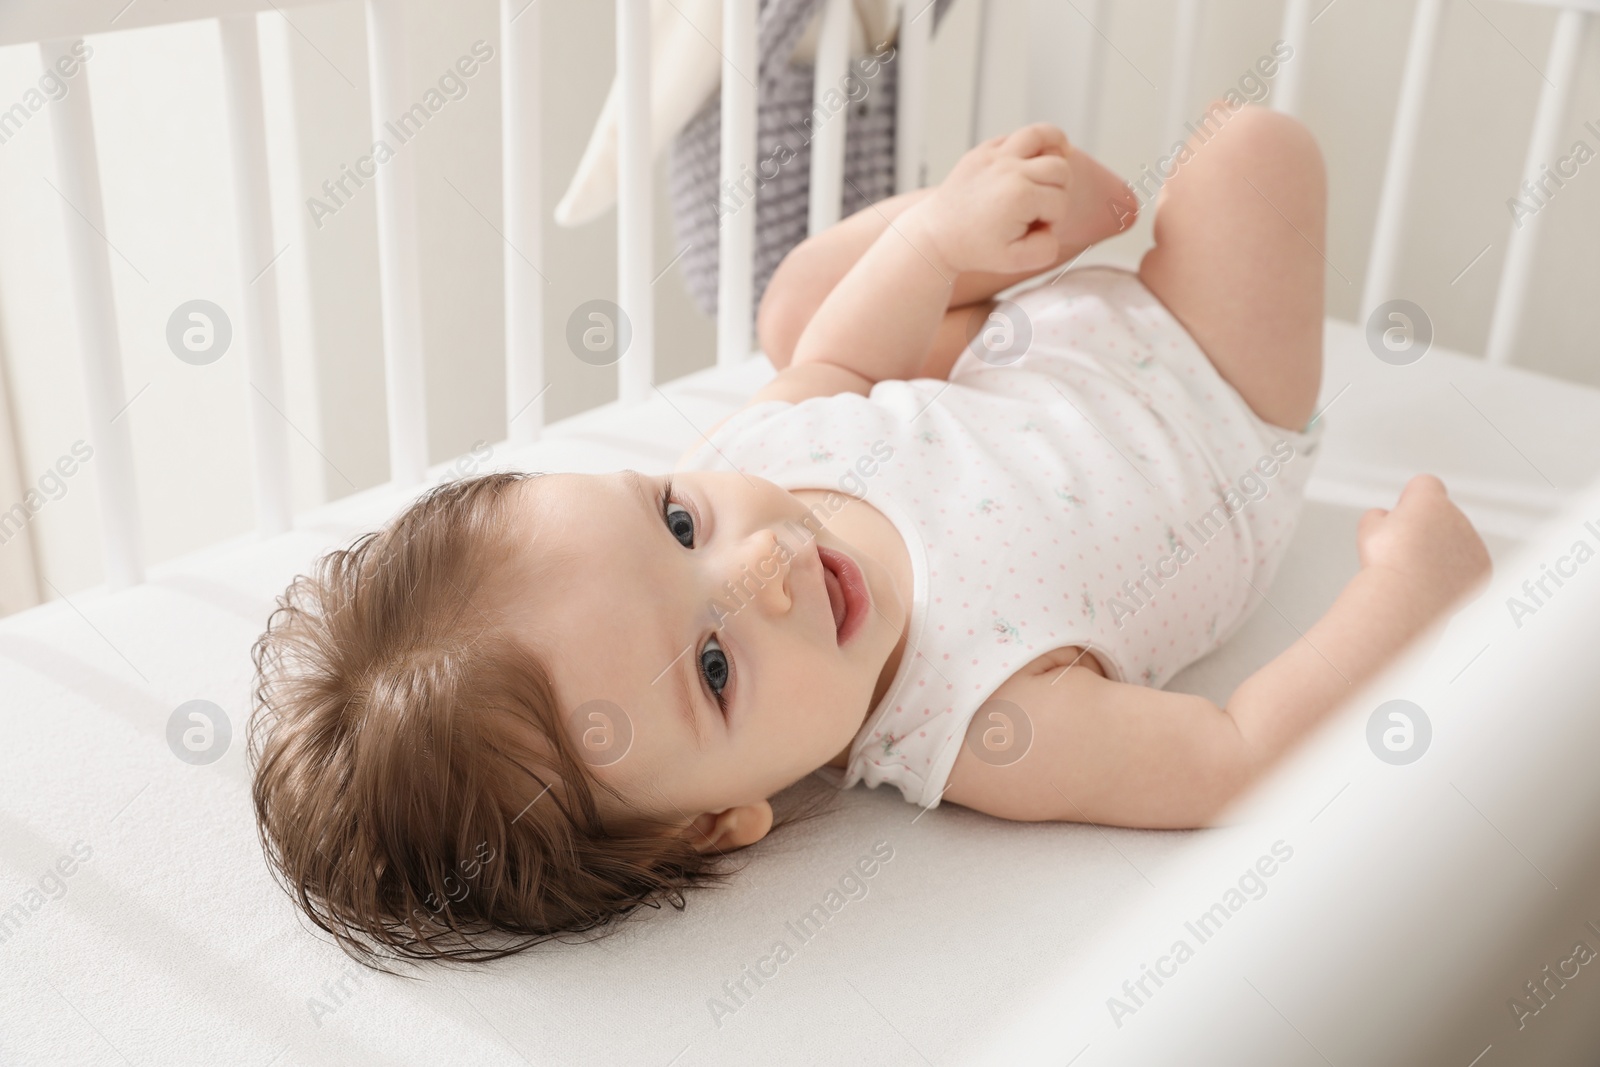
point(172, 945)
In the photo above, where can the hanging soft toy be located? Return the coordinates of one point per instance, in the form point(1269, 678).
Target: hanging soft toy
point(685, 113)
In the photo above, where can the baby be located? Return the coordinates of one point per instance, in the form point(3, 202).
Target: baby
point(956, 544)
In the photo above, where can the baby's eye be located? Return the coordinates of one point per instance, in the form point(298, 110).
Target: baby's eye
point(714, 666)
point(680, 522)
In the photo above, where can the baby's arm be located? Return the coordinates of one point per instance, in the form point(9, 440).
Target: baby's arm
point(812, 269)
point(1010, 208)
point(1128, 755)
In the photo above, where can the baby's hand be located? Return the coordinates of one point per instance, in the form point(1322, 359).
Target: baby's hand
point(1426, 539)
point(1002, 203)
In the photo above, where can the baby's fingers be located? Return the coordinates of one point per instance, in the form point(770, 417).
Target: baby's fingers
point(1034, 250)
point(1055, 211)
point(1035, 139)
point(1048, 169)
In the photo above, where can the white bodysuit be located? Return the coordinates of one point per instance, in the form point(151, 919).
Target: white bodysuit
point(1091, 480)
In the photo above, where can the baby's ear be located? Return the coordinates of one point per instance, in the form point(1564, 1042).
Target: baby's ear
point(724, 831)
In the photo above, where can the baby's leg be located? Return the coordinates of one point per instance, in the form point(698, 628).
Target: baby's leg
point(1238, 258)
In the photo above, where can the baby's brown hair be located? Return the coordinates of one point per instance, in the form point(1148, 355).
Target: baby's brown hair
point(414, 788)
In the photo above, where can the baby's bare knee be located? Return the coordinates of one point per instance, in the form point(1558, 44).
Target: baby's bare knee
point(1257, 137)
point(1274, 152)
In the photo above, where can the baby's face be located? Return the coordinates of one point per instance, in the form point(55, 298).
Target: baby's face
point(734, 639)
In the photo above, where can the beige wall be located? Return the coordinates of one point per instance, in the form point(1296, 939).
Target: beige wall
point(162, 140)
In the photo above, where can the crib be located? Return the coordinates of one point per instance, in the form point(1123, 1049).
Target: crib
point(1437, 902)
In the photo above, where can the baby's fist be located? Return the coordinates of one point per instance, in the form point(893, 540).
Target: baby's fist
point(1002, 203)
point(1427, 540)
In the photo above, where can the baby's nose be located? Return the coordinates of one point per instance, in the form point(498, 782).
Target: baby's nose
point(764, 569)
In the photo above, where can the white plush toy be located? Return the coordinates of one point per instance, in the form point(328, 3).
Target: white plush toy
point(685, 70)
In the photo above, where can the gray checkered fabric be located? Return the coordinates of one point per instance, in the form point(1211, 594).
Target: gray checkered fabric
point(784, 127)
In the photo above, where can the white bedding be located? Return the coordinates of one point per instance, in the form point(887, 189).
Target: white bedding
point(171, 944)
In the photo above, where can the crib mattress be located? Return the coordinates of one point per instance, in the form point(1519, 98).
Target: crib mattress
point(169, 943)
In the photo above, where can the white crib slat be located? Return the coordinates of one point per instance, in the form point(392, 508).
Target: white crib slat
point(981, 87)
point(1185, 42)
point(1383, 259)
point(1091, 78)
point(636, 371)
point(258, 281)
point(520, 191)
point(736, 237)
point(1560, 69)
point(827, 134)
point(1291, 75)
point(100, 352)
point(913, 46)
point(399, 269)
point(1061, 65)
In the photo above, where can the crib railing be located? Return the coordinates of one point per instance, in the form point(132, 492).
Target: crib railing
point(58, 28)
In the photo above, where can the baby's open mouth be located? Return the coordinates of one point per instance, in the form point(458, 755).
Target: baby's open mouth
point(848, 596)
point(835, 595)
